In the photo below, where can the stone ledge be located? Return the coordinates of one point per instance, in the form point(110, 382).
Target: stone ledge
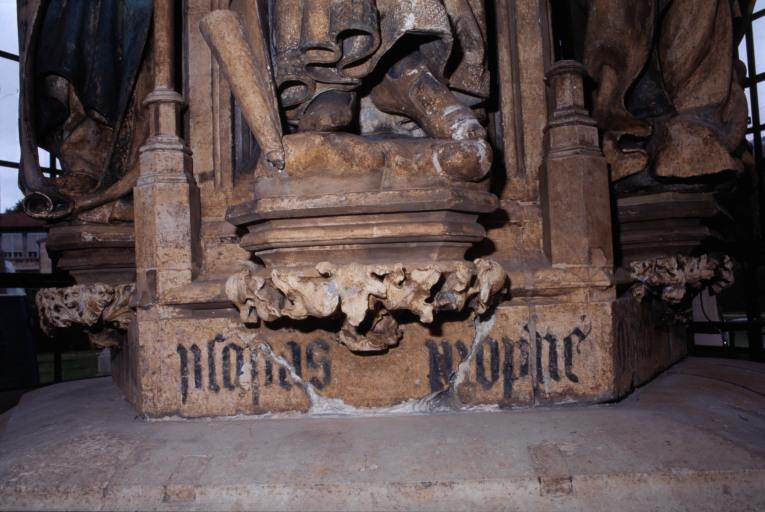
point(544, 281)
point(690, 440)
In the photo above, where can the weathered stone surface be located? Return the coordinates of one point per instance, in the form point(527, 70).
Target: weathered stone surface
point(386, 169)
point(655, 224)
point(517, 356)
point(99, 307)
point(366, 295)
point(645, 343)
point(95, 252)
point(677, 279)
point(575, 187)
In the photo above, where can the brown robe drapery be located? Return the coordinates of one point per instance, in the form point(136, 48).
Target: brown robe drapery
point(321, 45)
point(665, 72)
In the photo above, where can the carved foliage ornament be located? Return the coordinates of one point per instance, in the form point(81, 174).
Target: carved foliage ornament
point(99, 307)
point(671, 278)
point(366, 294)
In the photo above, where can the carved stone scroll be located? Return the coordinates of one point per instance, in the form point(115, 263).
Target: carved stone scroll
point(365, 295)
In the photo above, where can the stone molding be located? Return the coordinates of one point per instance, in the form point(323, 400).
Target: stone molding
point(365, 295)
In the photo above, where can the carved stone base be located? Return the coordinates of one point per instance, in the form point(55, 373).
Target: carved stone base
point(665, 224)
point(529, 353)
point(389, 235)
point(437, 224)
point(349, 199)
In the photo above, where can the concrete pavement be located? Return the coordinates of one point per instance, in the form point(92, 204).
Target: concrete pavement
point(693, 439)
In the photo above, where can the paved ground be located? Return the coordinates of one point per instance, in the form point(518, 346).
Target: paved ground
point(693, 439)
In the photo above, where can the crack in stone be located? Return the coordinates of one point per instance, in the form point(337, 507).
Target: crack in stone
point(448, 398)
point(320, 405)
point(445, 400)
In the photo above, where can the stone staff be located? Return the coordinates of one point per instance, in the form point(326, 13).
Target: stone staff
point(245, 64)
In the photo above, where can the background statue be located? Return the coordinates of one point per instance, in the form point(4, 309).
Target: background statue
point(83, 77)
point(668, 86)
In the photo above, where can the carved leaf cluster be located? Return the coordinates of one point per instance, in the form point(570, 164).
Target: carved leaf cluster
point(675, 278)
point(366, 294)
point(88, 305)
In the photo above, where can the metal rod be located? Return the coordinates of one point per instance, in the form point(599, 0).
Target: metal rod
point(754, 332)
point(57, 369)
point(9, 56)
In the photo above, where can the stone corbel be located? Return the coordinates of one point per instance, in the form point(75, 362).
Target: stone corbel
point(104, 310)
point(365, 295)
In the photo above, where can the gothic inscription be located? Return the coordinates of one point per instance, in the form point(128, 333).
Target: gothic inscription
point(508, 360)
point(236, 366)
point(221, 365)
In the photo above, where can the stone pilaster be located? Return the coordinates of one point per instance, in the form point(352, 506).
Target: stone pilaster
point(575, 190)
point(165, 195)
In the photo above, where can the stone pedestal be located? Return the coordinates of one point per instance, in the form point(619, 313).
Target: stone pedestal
point(361, 246)
point(337, 280)
point(426, 224)
point(667, 223)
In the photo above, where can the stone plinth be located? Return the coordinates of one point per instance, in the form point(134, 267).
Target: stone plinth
point(428, 224)
point(192, 364)
point(345, 199)
point(344, 271)
point(94, 253)
point(655, 224)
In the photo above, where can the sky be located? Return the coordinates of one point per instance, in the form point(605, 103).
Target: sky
point(9, 91)
point(9, 105)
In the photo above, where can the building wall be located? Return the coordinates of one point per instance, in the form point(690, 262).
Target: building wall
point(22, 249)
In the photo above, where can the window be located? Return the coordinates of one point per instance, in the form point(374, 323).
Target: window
point(751, 51)
point(9, 106)
point(9, 101)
